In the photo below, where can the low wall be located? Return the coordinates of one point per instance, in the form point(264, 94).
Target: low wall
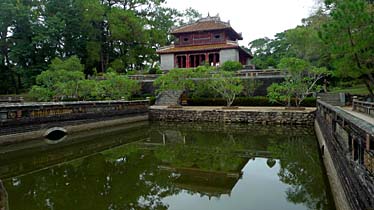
point(347, 144)
point(363, 107)
point(241, 115)
point(19, 117)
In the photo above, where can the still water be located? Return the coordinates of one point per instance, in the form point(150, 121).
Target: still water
point(168, 166)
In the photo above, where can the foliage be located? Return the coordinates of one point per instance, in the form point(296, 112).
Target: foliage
point(301, 81)
point(64, 80)
point(117, 87)
point(349, 35)
point(226, 85)
point(250, 86)
point(41, 93)
point(119, 34)
point(203, 80)
point(268, 52)
point(175, 79)
point(70, 64)
point(231, 66)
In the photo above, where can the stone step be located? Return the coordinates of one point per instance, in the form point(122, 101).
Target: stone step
point(335, 99)
point(168, 97)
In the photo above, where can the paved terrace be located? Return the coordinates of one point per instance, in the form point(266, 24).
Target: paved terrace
point(362, 116)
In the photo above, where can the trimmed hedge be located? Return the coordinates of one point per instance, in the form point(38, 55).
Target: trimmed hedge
point(243, 101)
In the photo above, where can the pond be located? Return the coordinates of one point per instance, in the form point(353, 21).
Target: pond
point(168, 166)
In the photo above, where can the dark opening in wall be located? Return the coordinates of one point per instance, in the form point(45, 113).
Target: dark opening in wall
point(55, 135)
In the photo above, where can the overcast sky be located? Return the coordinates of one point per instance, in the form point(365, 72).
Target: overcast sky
point(254, 18)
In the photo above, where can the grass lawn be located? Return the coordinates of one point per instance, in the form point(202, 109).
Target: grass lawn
point(358, 89)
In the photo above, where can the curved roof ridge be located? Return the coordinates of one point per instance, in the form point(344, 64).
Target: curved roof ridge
point(207, 23)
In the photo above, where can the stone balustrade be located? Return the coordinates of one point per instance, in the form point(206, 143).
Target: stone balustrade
point(349, 144)
point(363, 107)
point(15, 114)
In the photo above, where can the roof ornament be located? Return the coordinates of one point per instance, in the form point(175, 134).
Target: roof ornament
point(208, 14)
point(228, 22)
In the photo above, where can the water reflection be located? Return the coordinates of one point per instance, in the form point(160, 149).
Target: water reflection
point(180, 166)
point(3, 197)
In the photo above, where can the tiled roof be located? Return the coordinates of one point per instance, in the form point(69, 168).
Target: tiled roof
point(201, 26)
point(174, 49)
point(206, 24)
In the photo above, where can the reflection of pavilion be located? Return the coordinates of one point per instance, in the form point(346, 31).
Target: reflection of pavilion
point(197, 179)
point(210, 183)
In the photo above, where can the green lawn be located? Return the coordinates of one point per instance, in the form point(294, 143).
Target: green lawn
point(358, 89)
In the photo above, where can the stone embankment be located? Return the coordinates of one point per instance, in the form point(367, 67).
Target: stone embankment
point(346, 146)
point(24, 121)
point(258, 115)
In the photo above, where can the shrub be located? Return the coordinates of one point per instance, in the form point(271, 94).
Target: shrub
point(231, 66)
point(40, 93)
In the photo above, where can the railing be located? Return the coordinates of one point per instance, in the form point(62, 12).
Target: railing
point(241, 74)
point(11, 99)
point(363, 107)
point(350, 141)
point(257, 73)
point(144, 77)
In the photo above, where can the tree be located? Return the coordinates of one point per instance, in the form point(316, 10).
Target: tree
point(119, 87)
point(349, 34)
point(176, 79)
point(59, 81)
point(226, 85)
point(250, 86)
point(268, 52)
point(300, 82)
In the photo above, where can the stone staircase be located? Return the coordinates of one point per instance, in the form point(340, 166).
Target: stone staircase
point(335, 99)
point(170, 97)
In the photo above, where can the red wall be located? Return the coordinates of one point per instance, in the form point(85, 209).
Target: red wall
point(201, 38)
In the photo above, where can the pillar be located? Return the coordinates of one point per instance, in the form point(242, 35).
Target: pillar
point(367, 142)
point(187, 61)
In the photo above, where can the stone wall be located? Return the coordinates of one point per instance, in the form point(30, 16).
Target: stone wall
point(167, 61)
point(229, 55)
point(233, 116)
point(16, 116)
point(346, 143)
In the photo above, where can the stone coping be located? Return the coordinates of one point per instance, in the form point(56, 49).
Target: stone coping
point(32, 104)
point(238, 109)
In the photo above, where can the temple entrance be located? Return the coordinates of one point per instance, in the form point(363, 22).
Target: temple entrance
point(181, 61)
point(214, 59)
point(197, 60)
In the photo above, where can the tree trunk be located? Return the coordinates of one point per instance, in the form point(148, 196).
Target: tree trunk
point(367, 84)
